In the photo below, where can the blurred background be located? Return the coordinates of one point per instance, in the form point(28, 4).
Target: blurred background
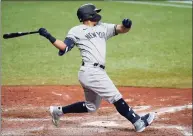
point(157, 52)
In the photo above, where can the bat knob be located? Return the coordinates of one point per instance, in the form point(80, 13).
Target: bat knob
point(5, 36)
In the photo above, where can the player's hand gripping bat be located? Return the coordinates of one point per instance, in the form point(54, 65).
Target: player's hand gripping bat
point(18, 34)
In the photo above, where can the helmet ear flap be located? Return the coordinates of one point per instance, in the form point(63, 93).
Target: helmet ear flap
point(86, 17)
point(96, 18)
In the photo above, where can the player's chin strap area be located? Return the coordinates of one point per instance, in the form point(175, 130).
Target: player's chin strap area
point(95, 64)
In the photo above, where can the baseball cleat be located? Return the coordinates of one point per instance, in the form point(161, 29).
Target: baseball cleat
point(144, 121)
point(56, 113)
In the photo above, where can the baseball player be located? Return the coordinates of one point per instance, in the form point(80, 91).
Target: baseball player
point(90, 37)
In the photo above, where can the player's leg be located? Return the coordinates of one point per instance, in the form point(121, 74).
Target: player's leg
point(109, 92)
point(140, 123)
point(57, 111)
point(103, 86)
point(93, 100)
point(125, 110)
point(91, 104)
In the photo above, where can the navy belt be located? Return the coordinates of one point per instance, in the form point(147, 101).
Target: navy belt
point(96, 64)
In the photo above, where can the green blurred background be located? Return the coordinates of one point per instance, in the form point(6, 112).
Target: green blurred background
point(157, 52)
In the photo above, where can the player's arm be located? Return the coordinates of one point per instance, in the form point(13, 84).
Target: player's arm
point(57, 43)
point(60, 45)
point(63, 46)
point(124, 27)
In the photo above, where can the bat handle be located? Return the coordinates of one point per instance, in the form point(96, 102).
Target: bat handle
point(33, 32)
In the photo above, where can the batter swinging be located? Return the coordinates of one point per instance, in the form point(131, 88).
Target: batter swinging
point(90, 37)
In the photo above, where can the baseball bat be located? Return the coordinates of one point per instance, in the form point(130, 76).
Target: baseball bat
point(18, 34)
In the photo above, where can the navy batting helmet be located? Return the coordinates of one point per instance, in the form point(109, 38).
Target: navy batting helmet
point(88, 12)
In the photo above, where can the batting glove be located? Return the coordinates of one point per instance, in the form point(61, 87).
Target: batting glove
point(44, 32)
point(127, 23)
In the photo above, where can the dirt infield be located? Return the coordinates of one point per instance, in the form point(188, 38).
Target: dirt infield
point(25, 112)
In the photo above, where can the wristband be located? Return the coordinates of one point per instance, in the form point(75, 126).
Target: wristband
point(51, 38)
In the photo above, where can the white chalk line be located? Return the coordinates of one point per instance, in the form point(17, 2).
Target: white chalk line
point(172, 109)
point(141, 108)
point(26, 119)
point(101, 124)
point(43, 119)
point(183, 130)
point(157, 4)
point(25, 108)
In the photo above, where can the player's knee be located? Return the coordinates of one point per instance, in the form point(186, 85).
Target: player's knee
point(115, 98)
point(91, 107)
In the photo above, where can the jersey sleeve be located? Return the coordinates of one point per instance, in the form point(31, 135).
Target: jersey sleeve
point(72, 34)
point(70, 41)
point(111, 30)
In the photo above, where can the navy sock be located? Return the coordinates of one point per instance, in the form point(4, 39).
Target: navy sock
point(126, 111)
point(78, 107)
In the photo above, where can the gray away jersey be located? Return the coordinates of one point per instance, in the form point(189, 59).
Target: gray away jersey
point(91, 41)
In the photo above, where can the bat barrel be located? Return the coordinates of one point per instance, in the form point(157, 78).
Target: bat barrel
point(13, 35)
